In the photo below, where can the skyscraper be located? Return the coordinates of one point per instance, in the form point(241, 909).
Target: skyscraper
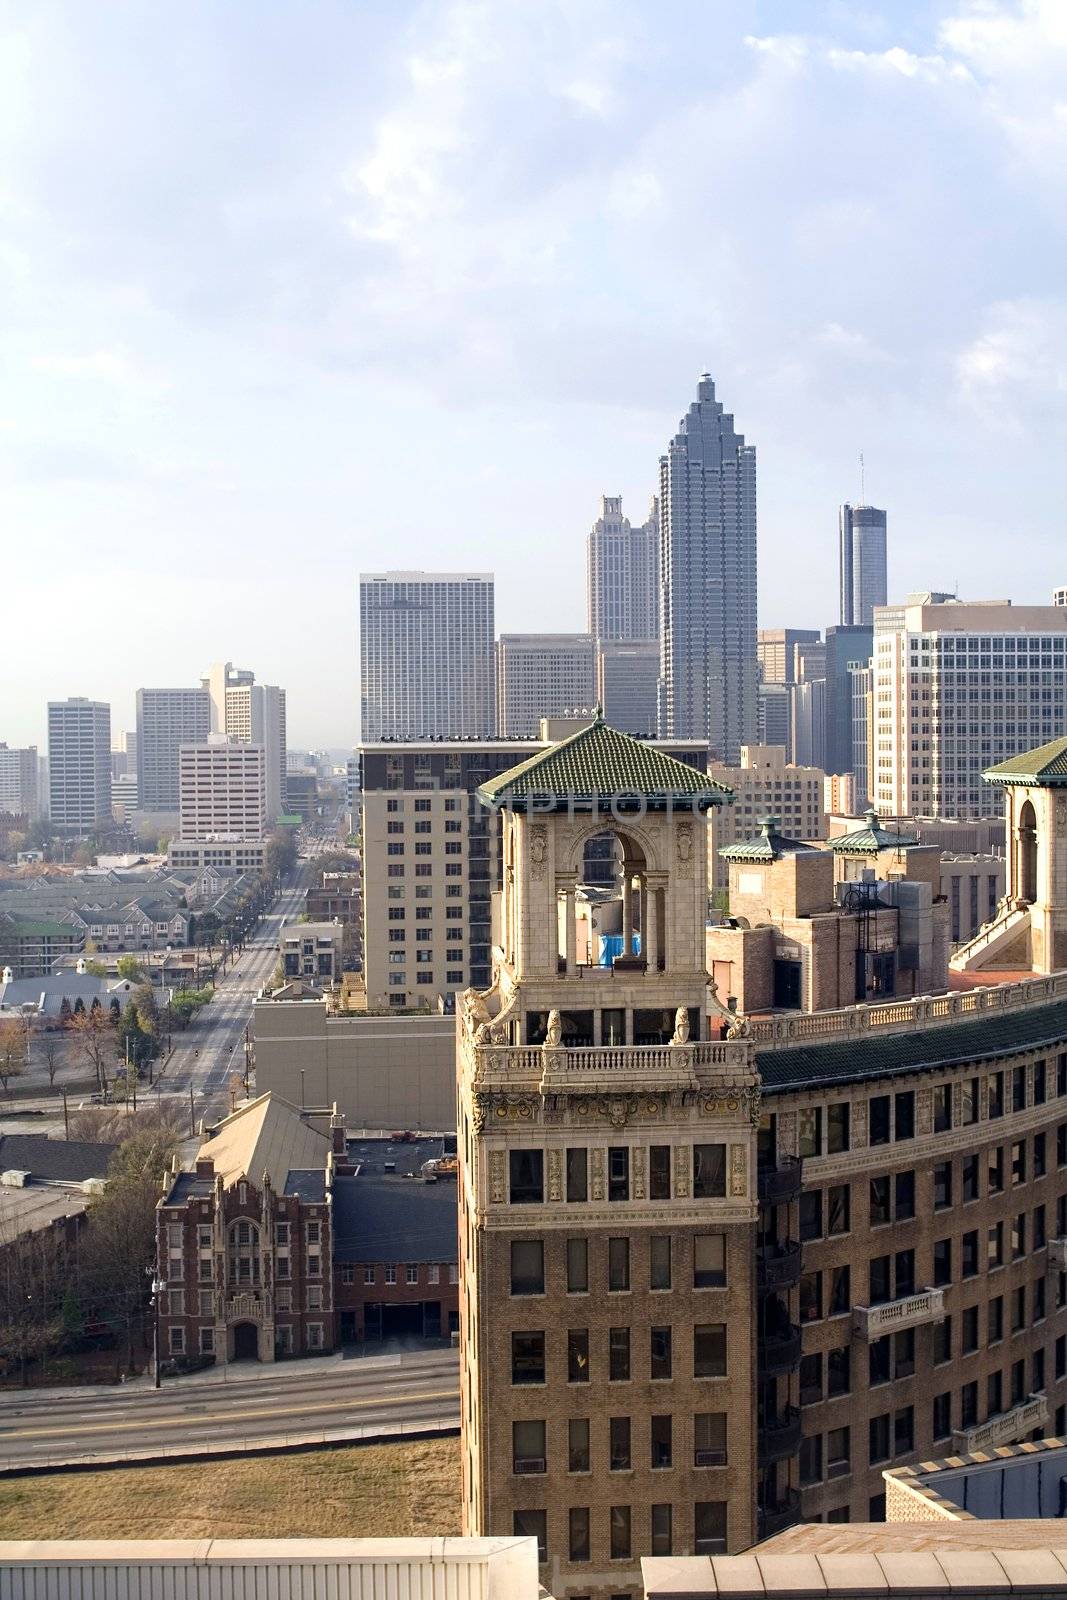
point(542, 675)
point(79, 764)
point(426, 655)
point(222, 789)
point(18, 782)
point(862, 563)
point(166, 719)
point(251, 713)
point(623, 573)
point(708, 580)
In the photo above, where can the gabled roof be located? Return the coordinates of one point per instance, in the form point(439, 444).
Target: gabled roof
point(768, 845)
point(1043, 768)
point(268, 1136)
point(868, 840)
point(55, 1160)
point(597, 763)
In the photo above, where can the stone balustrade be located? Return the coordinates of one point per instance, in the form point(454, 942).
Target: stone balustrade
point(1004, 1428)
point(873, 1322)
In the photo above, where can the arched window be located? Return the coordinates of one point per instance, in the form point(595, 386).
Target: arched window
point(244, 1255)
point(1027, 847)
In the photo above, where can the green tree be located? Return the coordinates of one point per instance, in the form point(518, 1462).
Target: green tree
point(129, 967)
point(119, 1247)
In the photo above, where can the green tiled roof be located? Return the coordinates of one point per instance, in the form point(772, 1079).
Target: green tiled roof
point(949, 1044)
point(768, 845)
point(599, 762)
point(867, 841)
point(35, 927)
point(1045, 767)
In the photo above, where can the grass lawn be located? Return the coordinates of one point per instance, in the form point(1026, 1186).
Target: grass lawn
point(370, 1491)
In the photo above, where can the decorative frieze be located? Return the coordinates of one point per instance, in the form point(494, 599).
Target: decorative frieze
point(596, 1173)
point(738, 1171)
point(497, 1187)
point(681, 1171)
point(555, 1174)
point(637, 1172)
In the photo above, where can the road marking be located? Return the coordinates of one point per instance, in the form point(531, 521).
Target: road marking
point(229, 1416)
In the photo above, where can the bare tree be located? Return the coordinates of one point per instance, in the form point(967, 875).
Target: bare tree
point(36, 1274)
point(12, 1050)
point(52, 1050)
point(118, 1248)
point(95, 1033)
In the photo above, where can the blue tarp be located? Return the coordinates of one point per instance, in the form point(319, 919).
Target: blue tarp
point(611, 946)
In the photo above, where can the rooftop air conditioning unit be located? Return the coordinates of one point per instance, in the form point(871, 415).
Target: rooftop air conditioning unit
point(13, 1179)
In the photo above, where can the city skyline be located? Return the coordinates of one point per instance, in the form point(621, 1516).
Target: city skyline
point(227, 308)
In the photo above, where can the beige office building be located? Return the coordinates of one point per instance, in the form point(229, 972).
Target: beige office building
point(958, 686)
point(765, 784)
point(252, 713)
point(222, 790)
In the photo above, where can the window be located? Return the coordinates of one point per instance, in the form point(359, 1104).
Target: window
point(1040, 1083)
point(878, 1449)
point(968, 1405)
point(879, 1289)
point(1018, 1162)
point(904, 1432)
point(662, 1447)
point(660, 1353)
point(996, 1170)
point(839, 1371)
point(620, 1533)
point(619, 1355)
point(659, 1172)
point(996, 1320)
point(810, 1131)
point(942, 1262)
point(969, 1254)
point(709, 1171)
point(904, 1196)
point(618, 1172)
point(1040, 1230)
point(810, 1296)
point(527, 1447)
point(811, 1214)
point(528, 1357)
point(811, 1459)
point(527, 1266)
point(619, 1444)
point(577, 1266)
point(1018, 1089)
point(527, 1177)
point(1018, 1309)
point(942, 1185)
point(904, 1353)
point(578, 1355)
point(840, 1302)
point(1040, 1158)
point(618, 1264)
point(878, 1132)
point(390, 1274)
point(532, 1525)
point(942, 1415)
point(837, 1127)
point(577, 1174)
point(878, 1361)
point(942, 1108)
point(578, 1533)
point(880, 1211)
point(411, 1274)
point(709, 1350)
point(904, 1115)
point(970, 1184)
point(969, 1101)
point(1018, 1236)
point(811, 1378)
point(995, 1093)
point(994, 1393)
point(709, 1528)
point(578, 1444)
point(177, 1341)
point(709, 1439)
point(661, 1530)
point(969, 1327)
point(838, 1209)
point(709, 1261)
point(659, 1261)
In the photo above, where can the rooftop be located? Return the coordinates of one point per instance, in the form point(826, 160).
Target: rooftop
point(768, 845)
point(597, 763)
point(266, 1135)
point(1043, 768)
point(54, 1160)
point(870, 839)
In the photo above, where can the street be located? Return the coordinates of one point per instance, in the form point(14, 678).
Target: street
point(342, 1397)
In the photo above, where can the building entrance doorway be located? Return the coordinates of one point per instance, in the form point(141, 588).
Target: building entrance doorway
point(246, 1342)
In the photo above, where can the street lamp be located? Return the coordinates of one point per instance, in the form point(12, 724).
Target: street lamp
point(157, 1288)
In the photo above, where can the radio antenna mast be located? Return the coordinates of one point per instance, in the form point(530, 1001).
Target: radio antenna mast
point(863, 482)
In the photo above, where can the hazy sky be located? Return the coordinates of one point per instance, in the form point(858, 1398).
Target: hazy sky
point(291, 289)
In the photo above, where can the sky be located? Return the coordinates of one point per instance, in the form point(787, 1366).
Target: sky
point(295, 289)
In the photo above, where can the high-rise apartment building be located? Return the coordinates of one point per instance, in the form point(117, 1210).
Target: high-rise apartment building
point(607, 1271)
point(222, 790)
point(958, 686)
point(426, 655)
point(622, 573)
point(860, 677)
point(252, 713)
point(862, 563)
point(542, 675)
point(627, 682)
point(167, 719)
point(765, 784)
point(18, 782)
point(708, 580)
point(79, 764)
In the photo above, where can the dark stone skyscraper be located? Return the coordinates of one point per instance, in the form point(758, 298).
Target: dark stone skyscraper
point(708, 580)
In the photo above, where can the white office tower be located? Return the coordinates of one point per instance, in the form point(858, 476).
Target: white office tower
point(708, 581)
point(222, 789)
point(862, 563)
point(542, 675)
point(622, 573)
point(957, 687)
point(252, 713)
point(166, 719)
point(79, 764)
point(426, 655)
point(18, 782)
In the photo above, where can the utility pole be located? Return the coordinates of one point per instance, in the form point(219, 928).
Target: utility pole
point(192, 1112)
point(66, 1119)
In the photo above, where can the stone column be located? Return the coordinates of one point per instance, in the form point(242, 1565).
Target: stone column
point(649, 924)
point(571, 930)
point(627, 912)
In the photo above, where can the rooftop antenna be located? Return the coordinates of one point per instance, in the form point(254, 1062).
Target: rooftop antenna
point(863, 482)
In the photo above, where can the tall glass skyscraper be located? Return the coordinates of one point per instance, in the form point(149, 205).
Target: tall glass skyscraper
point(708, 581)
point(426, 655)
point(862, 566)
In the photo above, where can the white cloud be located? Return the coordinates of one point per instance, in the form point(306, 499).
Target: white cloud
point(929, 69)
point(788, 48)
point(1015, 368)
point(113, 366)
